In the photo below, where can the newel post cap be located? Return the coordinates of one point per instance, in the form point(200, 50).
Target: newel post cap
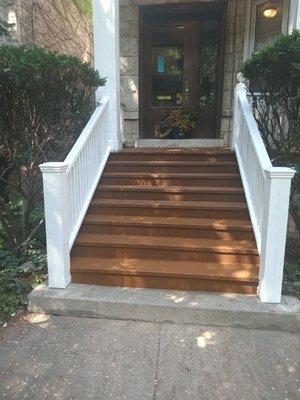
point(241, 79)
point(54, 167)
point(280, 172)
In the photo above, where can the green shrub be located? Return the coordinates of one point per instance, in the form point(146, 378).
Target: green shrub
point(291, 278)
point(274, 75)
point(45, 101)
point(19, 273)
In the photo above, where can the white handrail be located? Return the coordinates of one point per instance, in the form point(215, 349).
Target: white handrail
point(89, 153)
point(267, 191)
point(68, 189)
point(85, 134)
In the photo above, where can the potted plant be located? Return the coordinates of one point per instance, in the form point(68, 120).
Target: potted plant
point(176, 125)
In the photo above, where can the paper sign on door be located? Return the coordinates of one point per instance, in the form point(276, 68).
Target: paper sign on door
point(160, 64)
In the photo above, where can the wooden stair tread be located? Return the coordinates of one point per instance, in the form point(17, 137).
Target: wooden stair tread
point(210, 223)
point(173, 163)
point(169, 204)
point(172, 189)
point(202, 150)
point(182, 175)
point(148, 267)
point(169, 243)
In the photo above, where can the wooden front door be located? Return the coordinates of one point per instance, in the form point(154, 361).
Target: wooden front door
point(181, 65)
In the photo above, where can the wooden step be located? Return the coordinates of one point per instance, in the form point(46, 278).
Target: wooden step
point(171, 248)
point(189, 209)
point(169, 226)
point(176, 244)
point(209, 154)
point(165, 150)
point(172, 166)
point(171, 193)
point(150, 273)
point(122, 266)
point(171, 179)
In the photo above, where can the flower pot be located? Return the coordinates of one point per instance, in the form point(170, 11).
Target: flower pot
point(175, 134)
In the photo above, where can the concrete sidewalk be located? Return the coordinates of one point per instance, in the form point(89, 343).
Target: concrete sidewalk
point(64, 358)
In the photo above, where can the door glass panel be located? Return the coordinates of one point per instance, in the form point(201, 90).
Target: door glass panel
point(167, 75)
point(208, 79)
point(209, 62)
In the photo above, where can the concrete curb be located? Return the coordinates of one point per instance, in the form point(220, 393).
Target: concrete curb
point(227, 310)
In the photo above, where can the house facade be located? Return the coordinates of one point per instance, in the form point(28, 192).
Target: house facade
point(231, 29)
point(205, 212)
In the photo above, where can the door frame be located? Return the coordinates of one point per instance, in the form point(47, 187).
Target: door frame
point(144, 11)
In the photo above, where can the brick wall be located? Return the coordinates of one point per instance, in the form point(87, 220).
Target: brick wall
point(129, 39)
point(54, 25)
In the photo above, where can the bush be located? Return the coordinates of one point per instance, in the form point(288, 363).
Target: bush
point(45, 101)
point(274, 75)
point(291, 278)
point(18, 275)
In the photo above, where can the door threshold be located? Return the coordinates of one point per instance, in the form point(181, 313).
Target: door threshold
point(180, 143)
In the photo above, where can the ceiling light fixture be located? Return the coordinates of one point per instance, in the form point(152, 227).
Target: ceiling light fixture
point(270, 12)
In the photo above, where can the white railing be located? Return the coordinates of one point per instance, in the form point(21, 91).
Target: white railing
point(68, 190)
point(267, 191)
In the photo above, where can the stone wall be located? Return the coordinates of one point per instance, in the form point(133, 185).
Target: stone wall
point(129, 47)
point(234, 46)
point(129, 61)
point(55, 25)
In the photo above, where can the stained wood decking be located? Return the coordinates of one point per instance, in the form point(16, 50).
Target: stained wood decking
point(171, 219)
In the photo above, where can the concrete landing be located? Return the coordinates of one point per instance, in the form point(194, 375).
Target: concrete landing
point(180, 143)
point(150, 305)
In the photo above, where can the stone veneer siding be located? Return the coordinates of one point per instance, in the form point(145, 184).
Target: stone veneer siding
point(55, 25)
point(129, 49)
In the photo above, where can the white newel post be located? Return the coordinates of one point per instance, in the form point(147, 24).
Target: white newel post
point(235, 131)
point(57, 223)
point(107, 62)
point(241, 87)
point(273, 241)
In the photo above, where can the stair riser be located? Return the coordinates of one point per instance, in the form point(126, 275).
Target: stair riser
point(172, 157)
point(140, 195)
point(151, 181)
point(161, 169)
point(167, 231)
point(165, 254)
point(169, 212)
point(164, 283)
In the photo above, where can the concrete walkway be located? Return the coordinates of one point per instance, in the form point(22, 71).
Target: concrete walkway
point(64, 358)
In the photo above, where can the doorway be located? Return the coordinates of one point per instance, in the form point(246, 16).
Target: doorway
point(181, 66)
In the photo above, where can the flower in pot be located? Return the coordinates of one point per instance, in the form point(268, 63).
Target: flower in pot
point(176, 125)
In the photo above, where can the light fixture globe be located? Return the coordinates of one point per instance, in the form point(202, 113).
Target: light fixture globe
point(270, 12)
